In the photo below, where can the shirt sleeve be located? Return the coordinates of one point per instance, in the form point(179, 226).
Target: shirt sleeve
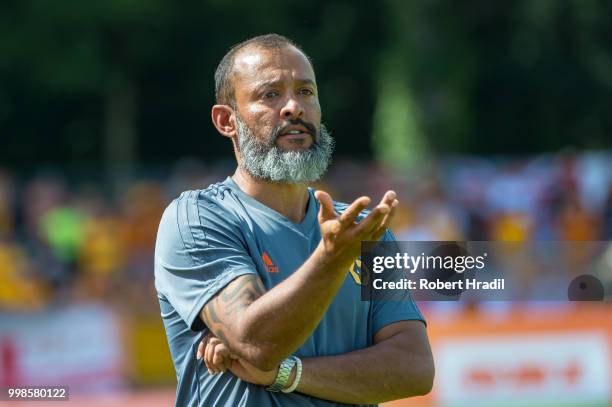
point(199, 250)
point(401, 307)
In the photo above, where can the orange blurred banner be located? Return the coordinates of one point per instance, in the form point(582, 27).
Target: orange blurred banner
point(546, 355)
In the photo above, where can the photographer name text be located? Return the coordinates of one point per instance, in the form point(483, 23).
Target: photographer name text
point(437, 284)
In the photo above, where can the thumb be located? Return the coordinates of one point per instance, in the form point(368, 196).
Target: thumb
point(326, 211)
point(200, 352)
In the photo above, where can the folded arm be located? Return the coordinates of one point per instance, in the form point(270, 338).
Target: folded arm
point(398, 365)
point(262, 328)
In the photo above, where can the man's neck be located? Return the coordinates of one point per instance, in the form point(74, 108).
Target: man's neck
point(290, 200)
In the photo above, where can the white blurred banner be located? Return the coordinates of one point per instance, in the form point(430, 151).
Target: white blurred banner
point(78, 347)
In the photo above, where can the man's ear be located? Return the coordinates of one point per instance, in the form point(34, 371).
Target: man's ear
point(223, 119)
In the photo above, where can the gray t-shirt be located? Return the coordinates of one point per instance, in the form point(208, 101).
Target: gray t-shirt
point(209, 237)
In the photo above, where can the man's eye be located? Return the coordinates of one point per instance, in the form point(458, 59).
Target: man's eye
point(306, 91)
point(270, 94)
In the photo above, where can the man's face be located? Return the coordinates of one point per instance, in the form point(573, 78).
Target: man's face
point(279, 131)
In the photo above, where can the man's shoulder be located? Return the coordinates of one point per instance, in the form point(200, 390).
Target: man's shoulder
point(214, 195)
point(198, 218)
point(217, 197)
point(216, 202)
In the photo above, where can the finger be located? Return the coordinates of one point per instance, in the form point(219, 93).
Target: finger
point(207, 362)
point(384, 211)
point(388, 197)
point(209, 353)
point(351, 213)
point(202, 346)
point(221, 354)
point(372, 221)
point(384, 225)
point(389, 217)
point(326, 212)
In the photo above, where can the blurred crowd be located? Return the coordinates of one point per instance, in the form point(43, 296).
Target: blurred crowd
point(63, 241)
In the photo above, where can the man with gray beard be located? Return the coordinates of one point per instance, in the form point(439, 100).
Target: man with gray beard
point(258, 276)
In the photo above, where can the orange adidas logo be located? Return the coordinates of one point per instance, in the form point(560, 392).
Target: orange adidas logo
point(269, 263)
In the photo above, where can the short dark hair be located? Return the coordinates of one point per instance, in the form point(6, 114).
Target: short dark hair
point(224, 86)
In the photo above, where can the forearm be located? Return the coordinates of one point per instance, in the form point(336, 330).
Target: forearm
point(281, 320)
point(383, 372)
point(278, 322)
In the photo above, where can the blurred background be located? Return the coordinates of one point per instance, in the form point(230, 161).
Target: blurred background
point(492, 120)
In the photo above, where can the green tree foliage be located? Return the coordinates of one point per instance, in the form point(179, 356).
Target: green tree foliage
point(113, 81)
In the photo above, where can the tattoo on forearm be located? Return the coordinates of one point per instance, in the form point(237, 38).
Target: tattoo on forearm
point(222, 310)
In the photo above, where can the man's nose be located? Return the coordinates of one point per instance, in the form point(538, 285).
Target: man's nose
point(292, 109)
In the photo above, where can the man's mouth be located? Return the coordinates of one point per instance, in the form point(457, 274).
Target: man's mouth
point(295, 136)
point(295, 132)
point(298, 130)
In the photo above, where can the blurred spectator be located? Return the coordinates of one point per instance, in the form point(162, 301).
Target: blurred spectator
point(20, 289)
point(575, 222)
point(61, 244)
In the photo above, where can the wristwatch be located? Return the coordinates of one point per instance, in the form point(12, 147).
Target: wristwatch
point(282, 377)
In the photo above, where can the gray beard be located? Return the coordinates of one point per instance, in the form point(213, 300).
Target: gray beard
point(265, 160)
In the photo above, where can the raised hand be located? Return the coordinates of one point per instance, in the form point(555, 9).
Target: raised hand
point(341, 235)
